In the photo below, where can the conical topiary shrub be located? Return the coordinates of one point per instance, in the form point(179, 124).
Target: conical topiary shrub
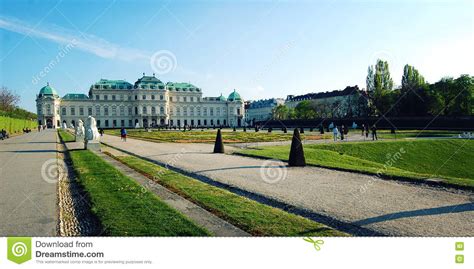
point(219, 145)
point(296, 152)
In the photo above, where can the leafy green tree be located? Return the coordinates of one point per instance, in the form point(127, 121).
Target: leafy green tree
point(379, 83)
point(413, 93)
point(305, 110)
point(280, 112)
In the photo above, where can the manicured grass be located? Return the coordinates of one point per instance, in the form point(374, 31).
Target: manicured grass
point(449, 159)
point(13, 125)
point(66, 136)
point(385, 134)
point(123, 206)
point(249, 215)
point(209, 136)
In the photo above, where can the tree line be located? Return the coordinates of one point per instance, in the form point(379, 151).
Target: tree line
point(9, 105)
point(414, 97)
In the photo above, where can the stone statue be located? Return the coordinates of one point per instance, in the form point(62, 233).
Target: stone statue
point(92, 135)
point(137, 126)
point(64, 125)
point(331, 126)
point(72, 126)
point(80, 131)
point(354, 125)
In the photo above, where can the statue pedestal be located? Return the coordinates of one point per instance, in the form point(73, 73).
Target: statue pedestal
point(80, 138)
point(92, 145)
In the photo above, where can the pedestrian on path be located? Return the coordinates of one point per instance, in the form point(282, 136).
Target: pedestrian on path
point(363, 129)
point(374, 132)
point(335, 131)
point(367, 131)
point(342, 132)
point(123, 134)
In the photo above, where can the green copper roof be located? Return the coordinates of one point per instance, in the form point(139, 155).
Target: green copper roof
point(222, 98)
point(48, 90)
point(234, 96)
point(75, 96)
point(149, 82)
point(112, 84)
point(181, 86)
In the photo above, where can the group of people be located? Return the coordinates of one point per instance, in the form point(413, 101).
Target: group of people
point(26, 130)
point(4, 134)
point(341, 131)
point(43, 127)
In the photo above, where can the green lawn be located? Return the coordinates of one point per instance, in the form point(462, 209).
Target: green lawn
point(449, 159)
point(123, 206)
point(249, 215)
point(66, 136)
point(13, 125)
point(209, 136)
point(385, 134)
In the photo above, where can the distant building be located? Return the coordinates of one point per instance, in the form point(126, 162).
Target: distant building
point(262, 110)
point(147, 102)
point(340, 103)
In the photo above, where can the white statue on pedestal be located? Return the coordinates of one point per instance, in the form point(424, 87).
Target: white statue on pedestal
point(64, 125)
point(80, 131)
point(137, 126)
point(92, 133)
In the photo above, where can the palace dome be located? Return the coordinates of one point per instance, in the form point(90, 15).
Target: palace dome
point(234, 96)
point(48, 90)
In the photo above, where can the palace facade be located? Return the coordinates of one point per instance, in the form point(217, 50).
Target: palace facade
point(146, 103)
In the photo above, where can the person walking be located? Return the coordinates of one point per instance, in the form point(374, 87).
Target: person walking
point(363, 129)
point(374, 132)
point(123, 134)
point(342, 132)
point(367, 131)
point(335, 131)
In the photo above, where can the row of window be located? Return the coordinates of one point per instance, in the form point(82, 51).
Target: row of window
point(113, 97)
point(146, 110)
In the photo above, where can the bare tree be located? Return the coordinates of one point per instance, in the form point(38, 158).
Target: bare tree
point(8, 99)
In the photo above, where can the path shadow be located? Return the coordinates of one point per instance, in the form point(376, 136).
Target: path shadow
point(420, 212)
point(32, 151)
point(241, 167)
point(40, 142)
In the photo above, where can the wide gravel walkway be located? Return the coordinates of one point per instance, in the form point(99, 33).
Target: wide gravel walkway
point(28, 203)
point(383, 206)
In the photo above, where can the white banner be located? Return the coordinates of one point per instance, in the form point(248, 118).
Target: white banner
point(243, 252)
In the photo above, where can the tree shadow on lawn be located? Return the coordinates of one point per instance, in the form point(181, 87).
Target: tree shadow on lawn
point(420, 212)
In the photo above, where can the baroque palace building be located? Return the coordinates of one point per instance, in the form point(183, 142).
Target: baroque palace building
point(146, 103)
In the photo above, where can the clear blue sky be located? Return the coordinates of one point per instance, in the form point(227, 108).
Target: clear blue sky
point(261, 48)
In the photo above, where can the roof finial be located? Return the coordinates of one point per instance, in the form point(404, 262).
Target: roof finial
point(143, 73)
point(153, 74)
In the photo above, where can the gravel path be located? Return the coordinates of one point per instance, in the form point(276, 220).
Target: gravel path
point(28, 183)
point(383, 206)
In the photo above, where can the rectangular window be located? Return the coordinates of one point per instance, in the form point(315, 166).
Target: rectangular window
point(153, 110)
point(129, 98)
point(144, 97)
point(144, 110)
point(114, 111)
point(122, 123)
point(97, 97)
point(73, 111)
point(161, 97)
point(184, 99)
point(114, 123)
point(122, 111)
point(113, 97)
point(106, 123)
point(63, 111)
point(130, 123)
point(89, 111)
point(106, 113)
point(171, 99)
point(106, 97)
point(97, 110)
point(162, 110)
point(185, 111)
point(211, 110)
point(153, 97)
point(81, 111)
point(129, 110)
